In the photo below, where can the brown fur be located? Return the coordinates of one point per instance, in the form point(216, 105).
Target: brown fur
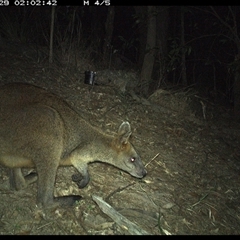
point(39, 129)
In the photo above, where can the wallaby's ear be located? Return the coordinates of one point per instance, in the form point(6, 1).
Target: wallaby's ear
point(124, 132)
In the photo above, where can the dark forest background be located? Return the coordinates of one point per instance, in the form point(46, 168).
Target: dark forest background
point(170, 46)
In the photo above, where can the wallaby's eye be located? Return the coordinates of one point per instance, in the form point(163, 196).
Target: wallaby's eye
point(132, 159)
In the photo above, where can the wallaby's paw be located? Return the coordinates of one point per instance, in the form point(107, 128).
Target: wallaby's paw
point(67, 200)
point(31, 178)
point(77, 177)
point(80, 180)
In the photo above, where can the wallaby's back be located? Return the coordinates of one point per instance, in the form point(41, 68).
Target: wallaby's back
point(23, 95)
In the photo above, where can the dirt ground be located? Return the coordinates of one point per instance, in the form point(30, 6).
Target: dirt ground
point(193, 164)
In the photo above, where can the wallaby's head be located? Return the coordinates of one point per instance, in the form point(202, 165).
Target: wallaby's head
point(127, 158)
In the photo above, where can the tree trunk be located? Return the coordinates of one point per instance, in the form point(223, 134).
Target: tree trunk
point(107, 49)
point(96, 29)
point(148, 62)
point(141, 17)
point(162, 38)
point(51, 36)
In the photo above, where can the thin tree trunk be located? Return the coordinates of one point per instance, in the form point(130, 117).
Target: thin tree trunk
point(149, 57)
point(51, 36)
point(107, 50)
point(141, 14)
point(162, 38)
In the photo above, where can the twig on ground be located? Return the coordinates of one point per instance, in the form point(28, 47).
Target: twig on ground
point(152, 159)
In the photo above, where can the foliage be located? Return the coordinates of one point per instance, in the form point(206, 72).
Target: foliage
point(127, 43)
point(14, 27)
point(175, 53)
point(70, 32)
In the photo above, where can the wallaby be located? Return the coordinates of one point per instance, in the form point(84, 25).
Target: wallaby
point(39, 129)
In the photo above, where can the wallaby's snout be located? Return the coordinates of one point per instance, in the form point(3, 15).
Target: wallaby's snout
point(140, 170)
point(143, 173)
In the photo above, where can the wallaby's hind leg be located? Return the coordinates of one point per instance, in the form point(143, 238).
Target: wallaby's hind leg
point(46, 182)
point(18, 181)
point(47, 171)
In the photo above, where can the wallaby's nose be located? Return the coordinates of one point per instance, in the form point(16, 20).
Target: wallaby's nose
point(144, 172)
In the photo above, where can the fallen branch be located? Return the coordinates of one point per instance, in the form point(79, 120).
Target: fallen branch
point(152, 159)
point(123, 222)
